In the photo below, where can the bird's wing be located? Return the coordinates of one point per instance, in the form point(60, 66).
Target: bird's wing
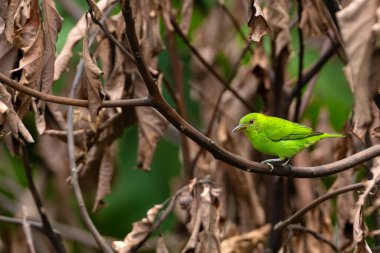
point(277, 129)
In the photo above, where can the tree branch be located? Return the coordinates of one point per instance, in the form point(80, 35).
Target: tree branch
point(295, 217)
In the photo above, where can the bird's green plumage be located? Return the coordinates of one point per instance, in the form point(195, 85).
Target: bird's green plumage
point(279, 137)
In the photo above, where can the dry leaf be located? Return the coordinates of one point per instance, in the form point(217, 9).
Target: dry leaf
point(313, 19)
point(278, 19)
point(247, 240)
point(33, 48)
point(12, 120)
point(186, 13)
point(52, 26)
point(139, 232)
point(356, 22)
point(161, 246)
point(166, 8)
point(361, 245)
point(91, 78)
point(105, 177)
point(95, 9)
point(73, 37)
point(151, 127)
point(257, 22)
point(10, 18)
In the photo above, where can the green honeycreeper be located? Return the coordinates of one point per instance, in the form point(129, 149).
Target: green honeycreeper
point(278, 137)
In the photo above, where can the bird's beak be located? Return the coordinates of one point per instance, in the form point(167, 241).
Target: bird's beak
point(238, 128)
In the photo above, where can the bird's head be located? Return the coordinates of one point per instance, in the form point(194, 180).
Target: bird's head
point(248, 122)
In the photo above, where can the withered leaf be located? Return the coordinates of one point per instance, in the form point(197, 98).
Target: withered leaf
point(356, 22)
point(52, 26)
point(95, 9)
point(186, 13)
point(151, 127)
point(10, 18)
point(278, 19)
point(161, 245)
point(257, 22)
point(31, 63)
point(139, 232)
point(73, 37)
point(361, 245)
point(105, 177)
point(12, 120)
point(91, 78)
point(313, 20)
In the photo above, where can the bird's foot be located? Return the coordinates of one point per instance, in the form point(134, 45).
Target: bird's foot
point(270, 162)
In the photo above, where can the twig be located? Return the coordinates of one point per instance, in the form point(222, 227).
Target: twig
point(316, 67)
point(295, 217)
point(300, 64)
point(177, 74)
point(73, 169)
point(178, 30)
point(316, 235)
point(54, 238)
point(71, 101)
point(236, 24)
point(27, 232)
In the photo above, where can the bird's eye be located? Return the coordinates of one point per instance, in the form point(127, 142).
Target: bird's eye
point(251, 121)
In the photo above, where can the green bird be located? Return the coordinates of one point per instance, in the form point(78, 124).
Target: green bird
point(278, 137)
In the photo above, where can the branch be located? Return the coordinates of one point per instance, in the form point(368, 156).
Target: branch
point(73, 169)
point(47, 228)
point(295, 217)
point(218, 152)
point(316, 235)
point(178, 30)
point(71, 101)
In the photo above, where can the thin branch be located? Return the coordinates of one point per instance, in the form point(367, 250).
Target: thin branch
point(178, 30)
point(315, 68)
point(27, 232)
point(71, 101)
point(54, 238)
point(316, 235)
point(300, 64)
point(295, 217)
point(73, 169)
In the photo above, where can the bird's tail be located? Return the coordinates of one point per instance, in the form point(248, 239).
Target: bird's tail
point(332, 135)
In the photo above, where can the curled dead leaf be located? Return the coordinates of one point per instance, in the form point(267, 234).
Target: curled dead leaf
point(257, 22)
point(140, 231)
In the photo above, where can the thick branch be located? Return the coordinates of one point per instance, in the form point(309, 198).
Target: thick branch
point(218, 152)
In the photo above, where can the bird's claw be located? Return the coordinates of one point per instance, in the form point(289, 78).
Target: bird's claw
point(269, 164)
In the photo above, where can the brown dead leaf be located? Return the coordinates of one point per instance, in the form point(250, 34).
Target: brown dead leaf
point(257, 22)
point(361, 245)
point(73, 37)
point(206, 216)
point(313, 19)
point(10, 18)
point(32, 37)
point(356, 23)
point(140, 231)
point(166, 8)
point(278, 19)
point(52, 26)
point(8, 56)
point(151, 127)
point(186, 13)
point(97, 12)
point(247, 240)
point(105, 176)
point(161, 246)
point(92, 85)
point(12, 121)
